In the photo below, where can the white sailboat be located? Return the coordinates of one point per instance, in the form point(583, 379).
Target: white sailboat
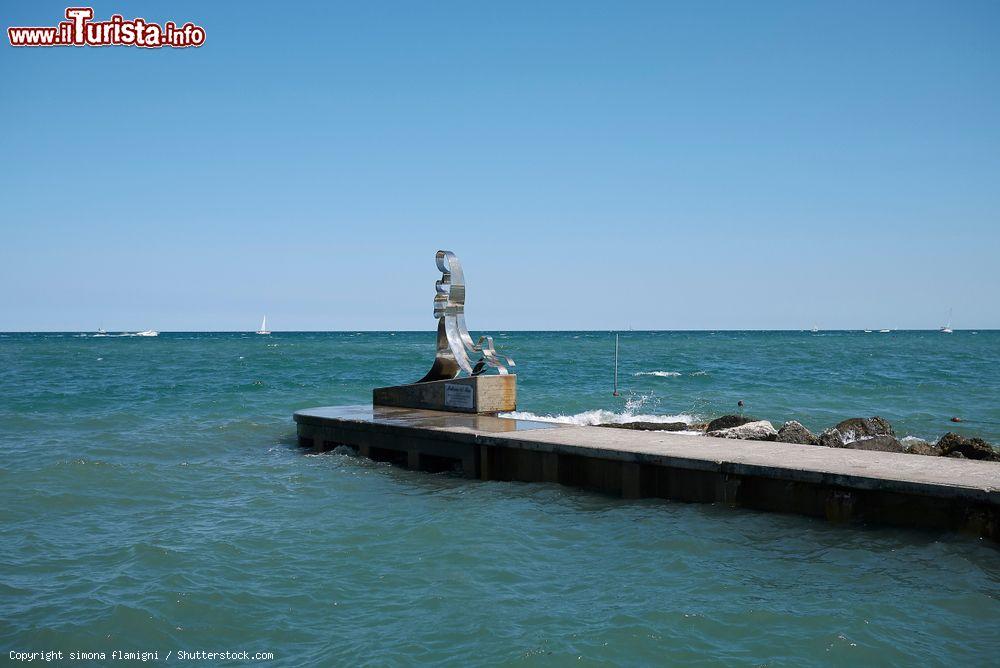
point(947, 328)
point(263, 327)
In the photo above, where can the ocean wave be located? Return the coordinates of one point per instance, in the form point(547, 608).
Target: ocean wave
point(598, 416)
point(669, 374)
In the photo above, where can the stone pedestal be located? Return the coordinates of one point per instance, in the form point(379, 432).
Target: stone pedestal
point(474, 394)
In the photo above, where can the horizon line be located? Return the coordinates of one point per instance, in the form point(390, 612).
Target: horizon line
point(414, 331)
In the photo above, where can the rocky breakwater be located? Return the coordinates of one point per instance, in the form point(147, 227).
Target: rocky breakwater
point(861, 433)
point(869, 433)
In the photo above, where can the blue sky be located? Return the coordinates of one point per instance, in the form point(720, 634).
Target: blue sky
point(595, 165)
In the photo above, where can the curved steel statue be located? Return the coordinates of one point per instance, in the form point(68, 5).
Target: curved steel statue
point(454, 343)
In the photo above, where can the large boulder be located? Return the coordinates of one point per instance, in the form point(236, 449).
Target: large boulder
point(969, 448)
point(879, 443)
point(856, 429)
point(794, 432)
point(728, 421)
point(647, 426)
point(761, 430)
point(859, 429)
point(922, 448)
point(831, 438)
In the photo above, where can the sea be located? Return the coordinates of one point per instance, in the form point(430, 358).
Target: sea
point(153, 499)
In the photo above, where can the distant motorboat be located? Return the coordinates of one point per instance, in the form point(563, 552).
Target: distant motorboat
point(263, 327)
point(101, 332)
point(947, 328)
point(814, 329)
point(868, 331)
point(884, 331)
point(147, 332)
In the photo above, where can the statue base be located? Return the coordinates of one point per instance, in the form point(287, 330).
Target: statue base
point(473, 394)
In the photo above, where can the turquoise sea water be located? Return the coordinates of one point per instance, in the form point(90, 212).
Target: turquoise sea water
point(153, 498)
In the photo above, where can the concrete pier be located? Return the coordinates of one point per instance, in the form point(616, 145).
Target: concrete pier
point(839, 484)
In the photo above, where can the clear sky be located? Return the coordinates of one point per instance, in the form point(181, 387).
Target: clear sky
point(595, 165)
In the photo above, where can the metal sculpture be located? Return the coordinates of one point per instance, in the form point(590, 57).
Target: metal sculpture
point(454, 343)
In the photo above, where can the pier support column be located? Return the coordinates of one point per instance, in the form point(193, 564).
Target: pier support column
point(631, 480)
point(484, 462)
point(550, 467)
point(469, 465)
point(727, 489)
point(839, 506)
point(317, 443)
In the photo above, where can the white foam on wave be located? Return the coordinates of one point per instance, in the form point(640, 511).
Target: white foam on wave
point(669, 374)
point(603, 416)
point(599, 416)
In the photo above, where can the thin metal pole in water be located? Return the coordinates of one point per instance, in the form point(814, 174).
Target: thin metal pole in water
point(615, 393)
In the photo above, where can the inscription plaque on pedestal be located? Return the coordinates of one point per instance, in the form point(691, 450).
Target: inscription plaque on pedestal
point(459, 396)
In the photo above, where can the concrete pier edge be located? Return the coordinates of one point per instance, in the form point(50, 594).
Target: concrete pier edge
point(838, 484)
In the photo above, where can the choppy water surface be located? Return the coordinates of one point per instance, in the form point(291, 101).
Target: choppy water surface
point(153, 499)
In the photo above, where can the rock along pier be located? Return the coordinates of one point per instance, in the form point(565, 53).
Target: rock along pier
point(840, 485)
